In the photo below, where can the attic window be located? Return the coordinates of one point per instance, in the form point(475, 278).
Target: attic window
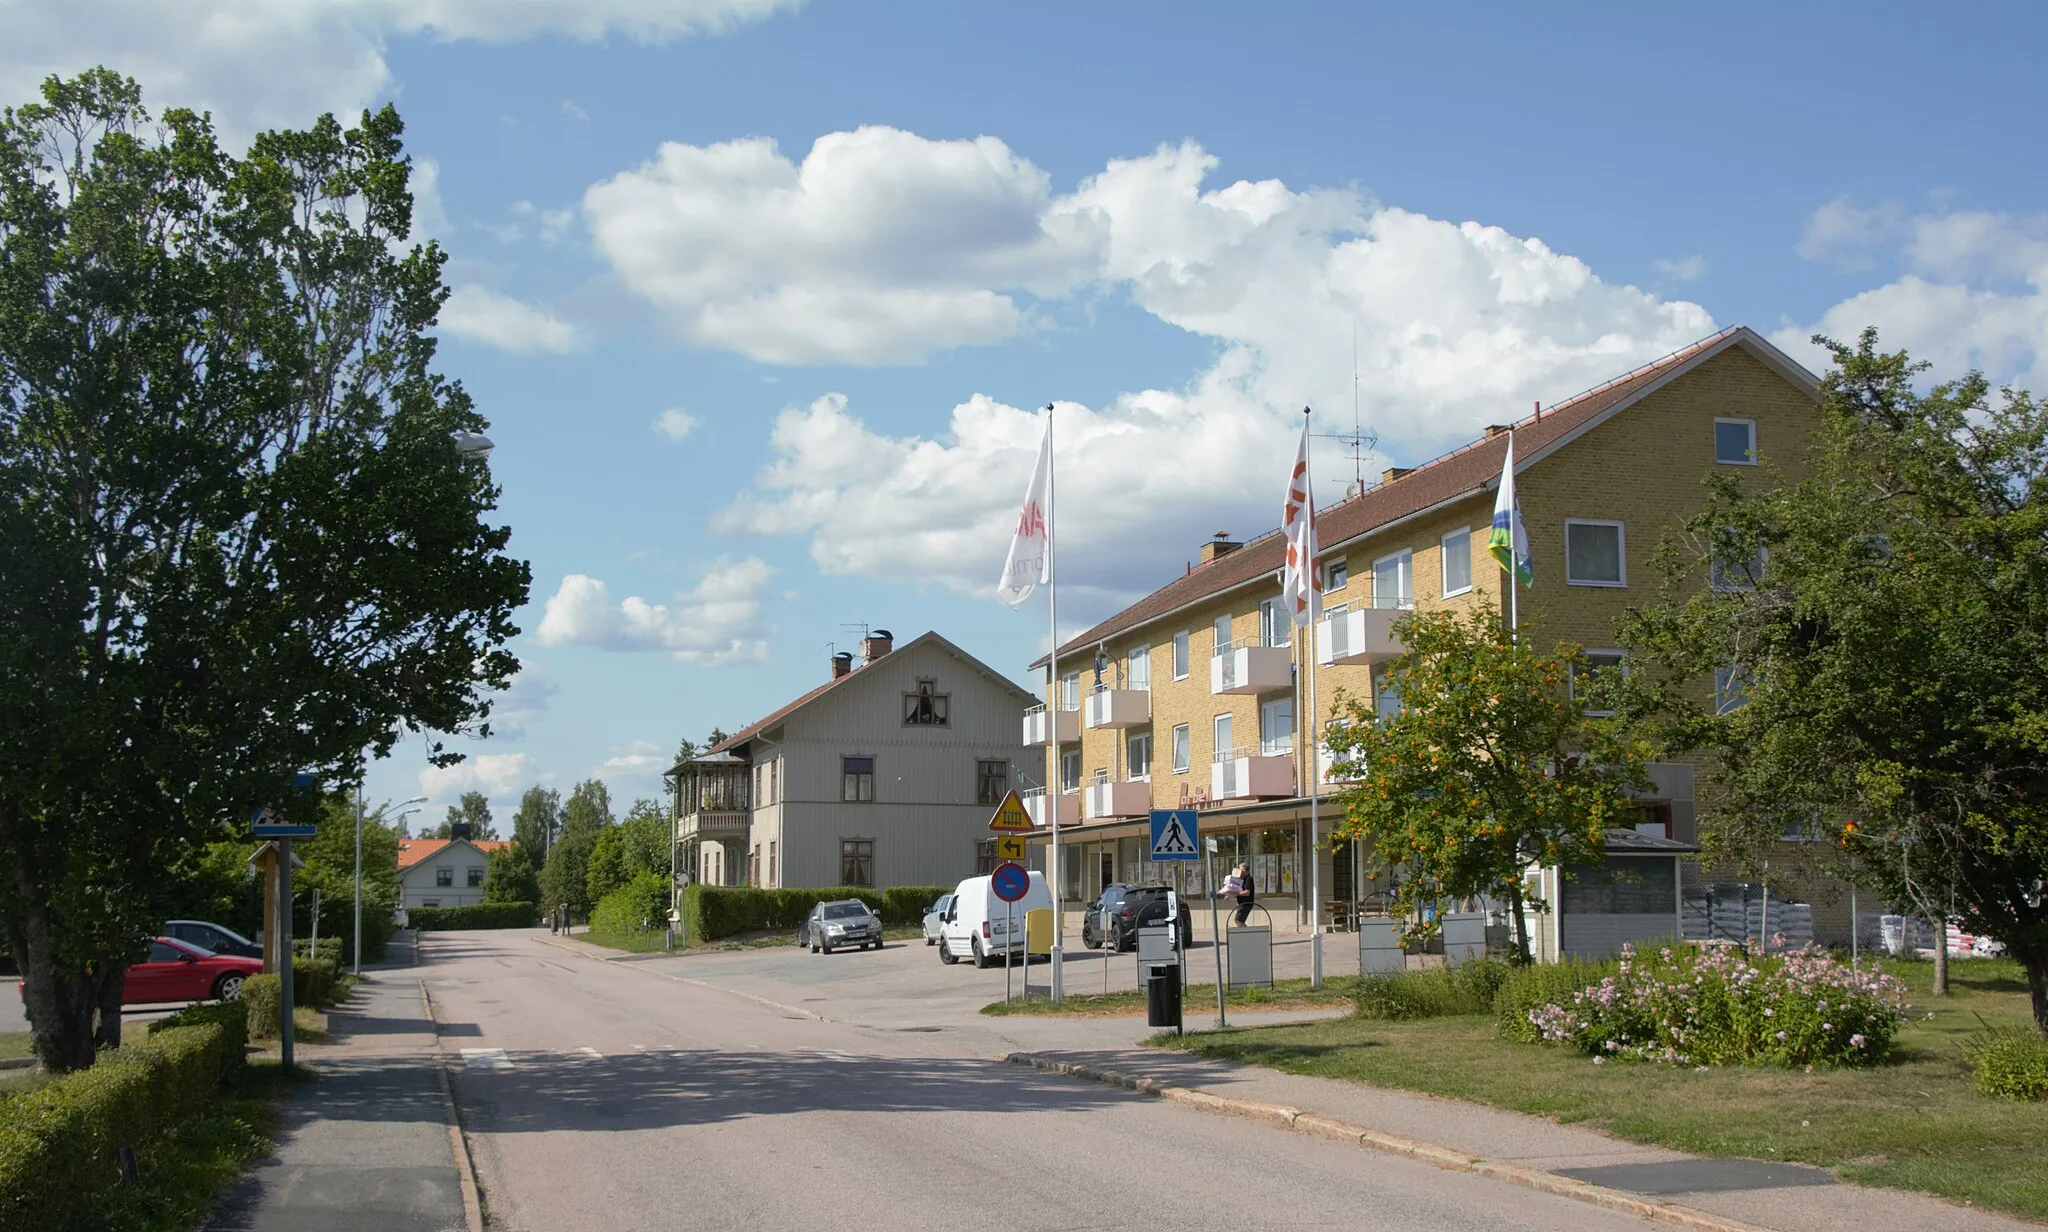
point(926, 708)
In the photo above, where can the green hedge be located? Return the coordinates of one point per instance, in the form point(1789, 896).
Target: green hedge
point(1532, 987)
point(636, 906)
point(313, 981)
point(711, 912)
point(480, 915)
point(230, 1016)
point(263, 995)
point(331, 949)
point(2009, 1063)
point(58, 1142)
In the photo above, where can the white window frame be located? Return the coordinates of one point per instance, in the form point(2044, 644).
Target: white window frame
point(1406, 557)
point(1222, 634)
point(1268, 710)
point(1572, 677)
point(1749, 460)
point(1136, 664)
point(1064, 692)
point(1276, 623)
point(1730, 694)
point(1065, 755)
point(1180, 655)
point(1131, 742)
point(1383, 691)
point(1336, 574)
point(1181, 748)
point(1620, 553)
point(1463, 537)
point(1219, 751)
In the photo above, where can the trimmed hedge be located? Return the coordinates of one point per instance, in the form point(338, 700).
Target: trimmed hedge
point(711, 912)
point(636, 906)
point(58, 1142)
point(230, 1016)
point(478, 915)
point(331, 949)
point(313, 981)
point(263, 995)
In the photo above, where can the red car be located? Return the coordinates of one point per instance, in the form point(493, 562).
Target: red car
point(175, 971)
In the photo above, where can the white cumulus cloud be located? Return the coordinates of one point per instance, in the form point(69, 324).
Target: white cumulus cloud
point(497, 775)
point(675, 423)
point(486, 316)
point(719, 621)
point(1681, 269)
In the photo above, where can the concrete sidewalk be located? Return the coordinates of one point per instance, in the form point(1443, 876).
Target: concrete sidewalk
point(371, 1144)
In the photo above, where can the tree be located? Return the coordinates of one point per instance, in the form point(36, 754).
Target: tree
point(637, 845)
point(1880, 639)
point(537, 823)
point(1490, 765)
point(565, 877)
point(509, 877)
point(474, 809)
point(235, 541)
point(692, 748)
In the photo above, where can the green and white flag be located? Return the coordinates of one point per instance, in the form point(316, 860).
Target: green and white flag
point(1509, 540)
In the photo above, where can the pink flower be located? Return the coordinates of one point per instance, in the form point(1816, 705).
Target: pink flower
point(1856, 1041)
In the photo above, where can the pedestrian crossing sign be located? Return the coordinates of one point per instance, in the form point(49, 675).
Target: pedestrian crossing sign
point(1010, 817)
point(1176, 834)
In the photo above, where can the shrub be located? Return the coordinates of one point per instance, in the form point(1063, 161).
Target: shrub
point(1395, 996)
point(711, 912)
point(232, 1017)
point(331, 948)
point(1712, 1007)
point(1526, 989)
point(264, 997)
point(58, 1142)
point(639, 904)
point(313, 981)
point(2009, 1062)
point(478, 915)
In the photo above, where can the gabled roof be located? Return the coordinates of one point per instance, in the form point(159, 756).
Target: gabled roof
point(413, 851)
point(751, 730)
point(1464, 472)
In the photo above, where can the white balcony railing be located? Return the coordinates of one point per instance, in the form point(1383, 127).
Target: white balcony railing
point(1360, 636)
point(1036, 725)
point(1115, 708)
point(1034, 806)
point(1244, 774)
point(1107, 799)
point(1251, 669)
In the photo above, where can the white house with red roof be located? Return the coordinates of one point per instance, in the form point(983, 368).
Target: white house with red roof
point(443, 872)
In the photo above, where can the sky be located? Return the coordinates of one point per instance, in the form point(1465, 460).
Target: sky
point(763, 299)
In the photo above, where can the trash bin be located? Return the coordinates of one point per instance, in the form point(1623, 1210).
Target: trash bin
point(1162, 996)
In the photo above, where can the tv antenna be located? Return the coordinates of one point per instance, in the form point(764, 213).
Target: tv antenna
point(1358, 442)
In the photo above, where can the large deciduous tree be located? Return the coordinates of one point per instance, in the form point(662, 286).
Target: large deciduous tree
point(565, 877)
point(1880, 635)
point(235, 539)
point(474, 810)
point(537, 824)
point(1489, 764)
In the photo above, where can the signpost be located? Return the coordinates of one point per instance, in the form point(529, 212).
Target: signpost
point(1215, 930)
point(266, 822)
point(1011, 881)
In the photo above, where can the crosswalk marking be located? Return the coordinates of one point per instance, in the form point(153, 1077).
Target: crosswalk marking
point(592, 1053)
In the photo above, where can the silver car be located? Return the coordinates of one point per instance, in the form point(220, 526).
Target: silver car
point(845, 922)
point(935, 917)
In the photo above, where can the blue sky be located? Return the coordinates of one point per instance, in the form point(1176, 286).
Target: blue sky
point(842, 251)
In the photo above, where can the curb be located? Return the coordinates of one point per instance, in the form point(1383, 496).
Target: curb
point(1283, 1117)
point(458, 1142)
point(18, 1063)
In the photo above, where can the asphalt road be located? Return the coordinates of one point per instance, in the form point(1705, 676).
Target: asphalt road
point(781, 1090)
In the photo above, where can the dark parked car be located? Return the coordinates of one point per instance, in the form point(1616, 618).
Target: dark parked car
point(845, 922)
point(213, 937)
point(1113, 918)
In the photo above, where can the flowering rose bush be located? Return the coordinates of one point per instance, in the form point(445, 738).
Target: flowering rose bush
point(1713, 1007)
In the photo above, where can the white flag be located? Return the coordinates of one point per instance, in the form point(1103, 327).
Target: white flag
point(1299, 584)
point(1509, 539)
point(1030, 559)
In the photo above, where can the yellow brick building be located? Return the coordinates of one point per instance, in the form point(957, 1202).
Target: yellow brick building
point(1187, 698)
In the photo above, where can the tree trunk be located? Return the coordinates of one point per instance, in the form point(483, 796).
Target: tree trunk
point(1521, 922)
point(108, 985)
point(1940, 955)
point(58, 1003)
point(2035, 959)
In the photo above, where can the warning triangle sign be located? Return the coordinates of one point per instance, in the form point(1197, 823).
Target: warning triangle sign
point(1010, 816)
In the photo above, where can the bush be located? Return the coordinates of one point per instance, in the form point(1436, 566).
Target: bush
point(263, 995)
point(1712, 1007)
point(331, 948)
point(479, 915)
point(313, 981)
point(639, 904)
point(2010, 1063)
point(1527, 989)
point(232, 1017)
point(711, 912)
point(58, 1142)
point(1395, 996)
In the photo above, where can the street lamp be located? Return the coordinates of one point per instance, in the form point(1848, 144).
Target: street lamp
point(358, 965)
point(471, 444)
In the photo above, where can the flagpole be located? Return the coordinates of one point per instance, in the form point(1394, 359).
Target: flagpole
point(1514, 598)
point(1052, 783)
point(1315, 841)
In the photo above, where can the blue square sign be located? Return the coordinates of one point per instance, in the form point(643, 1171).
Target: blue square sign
point(1176, 834)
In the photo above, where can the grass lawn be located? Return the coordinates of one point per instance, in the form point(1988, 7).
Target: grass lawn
point(1914, 1123)
point(1196, 1000)
point(14, 1044)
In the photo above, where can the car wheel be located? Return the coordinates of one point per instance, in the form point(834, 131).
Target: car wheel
point(229, 987)
point(981, 958)
point(931, 941)
point(828, 947)
point(946, 954)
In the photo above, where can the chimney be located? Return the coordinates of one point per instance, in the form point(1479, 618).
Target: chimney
point(842, 663)
point(1392, 473)
point(1220, 545)
point(458, 829)
point(875, 645)
point(1493, 430)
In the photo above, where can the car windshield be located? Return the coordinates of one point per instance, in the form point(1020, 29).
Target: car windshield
point(844, 911)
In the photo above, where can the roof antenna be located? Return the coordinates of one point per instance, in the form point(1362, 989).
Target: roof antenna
point(1358, 441)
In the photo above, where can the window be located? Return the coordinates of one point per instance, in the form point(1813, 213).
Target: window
point(1276, 624)
point(1180, 749)
point(1457, 561)
point(444, 877)
point(857, 779)
point(1070, 691)
point(984, 856)
point(1731, 689)
point(1070, 770)
point(476, 876)
point(772, 788)
point(161, 953)
point(1139, 674)
point(1276, 727)
point(991, 782)
point(1735, 441)
point(1596, 661)
point(1592, 553)
point(1222, 632)
point(1386, 698)
point(1728, 573)
point(1336, 575)
point(1393, 580)
point(430, 902)
point(1224, 747)
point(772, 883)
point(857, 861)
point(1139, 757)
point(1180, 655)
point(926, 708)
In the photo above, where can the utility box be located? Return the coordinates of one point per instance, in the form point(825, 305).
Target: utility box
point(1250, 956)
point(1038, 931)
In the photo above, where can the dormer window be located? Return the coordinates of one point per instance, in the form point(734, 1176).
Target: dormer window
point(926, 708)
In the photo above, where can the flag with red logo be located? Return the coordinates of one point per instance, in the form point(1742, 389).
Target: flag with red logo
point(1299, 583)
point(1030, 559)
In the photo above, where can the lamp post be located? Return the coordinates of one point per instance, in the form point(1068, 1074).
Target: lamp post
point(357, 965)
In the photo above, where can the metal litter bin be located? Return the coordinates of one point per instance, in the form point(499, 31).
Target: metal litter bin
point(1162, 996)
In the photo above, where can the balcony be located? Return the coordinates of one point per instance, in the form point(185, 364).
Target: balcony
point(1070, 807)
point(1103, 798)
point(1035, 724)
point(1111, 708)
point(1361, 636)
point(1251, 669)
point(722, 823)
point(1251, 774)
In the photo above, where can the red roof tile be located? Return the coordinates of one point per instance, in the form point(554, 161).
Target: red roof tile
point(413, 850)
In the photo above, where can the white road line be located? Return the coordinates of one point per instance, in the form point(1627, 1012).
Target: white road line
point(485, 1058)
point(592, 1053)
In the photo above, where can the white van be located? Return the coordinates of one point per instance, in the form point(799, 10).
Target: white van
point(977, 924)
